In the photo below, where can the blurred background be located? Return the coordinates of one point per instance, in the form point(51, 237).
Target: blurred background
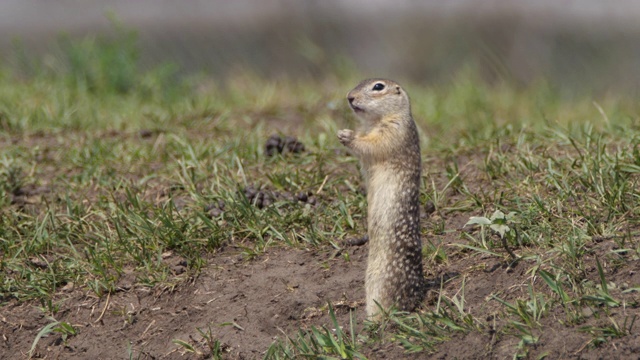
point(578, 46)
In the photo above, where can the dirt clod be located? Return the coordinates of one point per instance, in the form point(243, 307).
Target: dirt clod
point(145, 133)
point(259, 198)
point(429, 207)
point(357, 241)
point(279, 145)
point(303, 197)
point(215, 209)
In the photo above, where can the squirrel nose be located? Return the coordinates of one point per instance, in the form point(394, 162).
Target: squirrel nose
point(350, 98)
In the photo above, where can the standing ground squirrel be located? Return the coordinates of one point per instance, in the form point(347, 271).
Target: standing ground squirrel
point(389, 151)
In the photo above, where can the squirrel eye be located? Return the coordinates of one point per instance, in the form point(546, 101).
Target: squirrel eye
point(378, 87)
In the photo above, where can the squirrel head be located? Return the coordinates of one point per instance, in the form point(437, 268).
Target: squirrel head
point(375, 99)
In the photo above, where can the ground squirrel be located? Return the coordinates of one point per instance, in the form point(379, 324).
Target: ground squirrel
point(389, 150)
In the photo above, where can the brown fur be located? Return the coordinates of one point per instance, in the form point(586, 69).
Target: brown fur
point(389, 150)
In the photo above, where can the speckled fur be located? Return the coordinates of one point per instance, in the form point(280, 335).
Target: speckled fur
point(389, 150)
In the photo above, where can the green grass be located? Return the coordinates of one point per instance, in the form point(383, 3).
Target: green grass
point(107, 167)
point(333, 343)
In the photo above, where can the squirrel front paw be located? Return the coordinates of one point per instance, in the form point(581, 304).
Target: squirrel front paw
point(345, 136)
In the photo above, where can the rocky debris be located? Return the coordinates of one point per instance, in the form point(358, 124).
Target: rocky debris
point(215, 209)
point(264, 198)
point(277, 144)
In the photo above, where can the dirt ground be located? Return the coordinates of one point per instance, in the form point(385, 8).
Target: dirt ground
point(263, 298)
point(248, 304)
point(273, 295)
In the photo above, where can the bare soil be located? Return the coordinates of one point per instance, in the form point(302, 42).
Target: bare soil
point(248, 304)
point(260, 300)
